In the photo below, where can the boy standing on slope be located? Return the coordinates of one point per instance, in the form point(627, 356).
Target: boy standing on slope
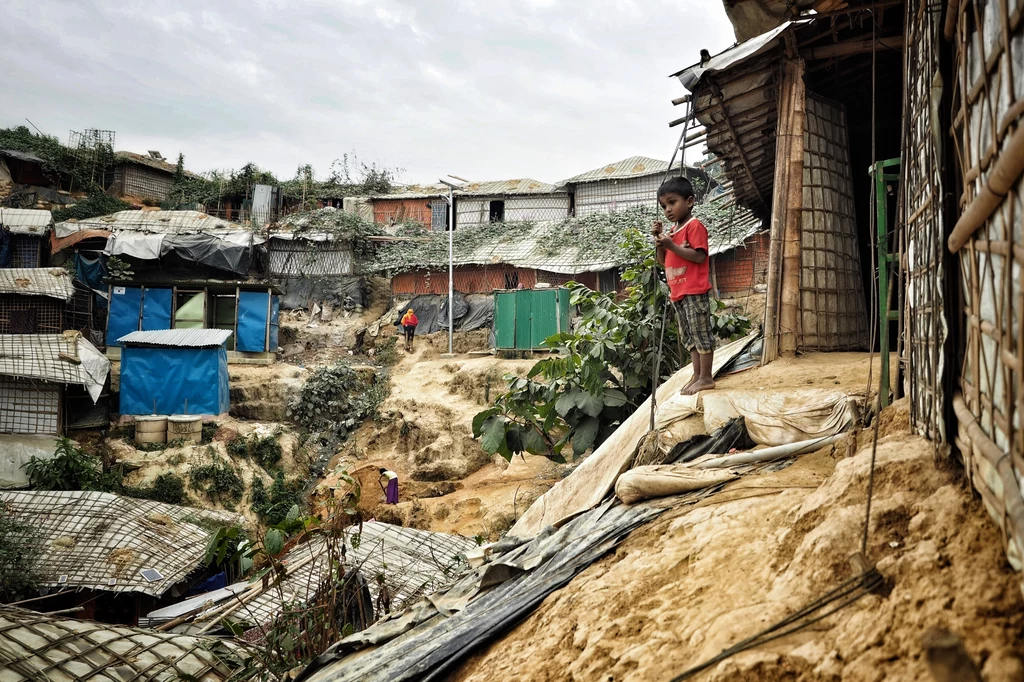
point(684, 253)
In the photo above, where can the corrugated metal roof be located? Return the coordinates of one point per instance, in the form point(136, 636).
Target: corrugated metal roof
point(501, 187)
point(414, 192)
point(178, 338)
point(51, 282)
point(38, 356)
point(94, 538)
point(633, 167)
point(26, 220)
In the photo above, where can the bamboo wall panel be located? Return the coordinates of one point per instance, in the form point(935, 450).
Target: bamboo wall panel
point(833, 309)
point(473, 212)
point(609, 196)
point(925, 322)
point(988, 103)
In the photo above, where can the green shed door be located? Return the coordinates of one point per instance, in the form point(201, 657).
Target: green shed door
point(524, 328)
point(563, 309)
point(504, 320)
point(545, 316)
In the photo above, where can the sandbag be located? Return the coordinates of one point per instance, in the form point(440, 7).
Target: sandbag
point(663, 480)
point(675, 408)
point(781, 417)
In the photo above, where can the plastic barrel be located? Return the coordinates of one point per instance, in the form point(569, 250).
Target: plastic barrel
point(184, 427)
point(151, 429)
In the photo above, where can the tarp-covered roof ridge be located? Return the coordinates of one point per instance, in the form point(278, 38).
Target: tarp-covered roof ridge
point(50, 282)
point(102, 541)
point(29, 221)
point(52, 357)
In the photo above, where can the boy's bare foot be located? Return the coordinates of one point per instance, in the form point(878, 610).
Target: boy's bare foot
point(698, 386)
point(686, 387)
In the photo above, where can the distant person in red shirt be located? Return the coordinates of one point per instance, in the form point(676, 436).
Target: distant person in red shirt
point(409, 322)
point(684, 253)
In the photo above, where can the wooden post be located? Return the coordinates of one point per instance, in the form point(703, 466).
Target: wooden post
point(789, 315)
point(783, 300)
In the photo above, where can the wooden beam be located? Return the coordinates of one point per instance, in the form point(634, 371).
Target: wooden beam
point(850, 48)
point(732, 131)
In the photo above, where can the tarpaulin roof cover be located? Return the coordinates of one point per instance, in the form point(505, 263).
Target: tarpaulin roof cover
point(111, 537)
point(50, 357)
point(26, 220)
point(427, 641)
point(174, 380)
point(51, 282)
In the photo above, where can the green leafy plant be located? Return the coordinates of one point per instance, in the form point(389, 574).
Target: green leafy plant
point(336, 399)
point(20, 547)
point(573, 401)
point(119, 270)
point(218, 481)
point(70, 468)
point(273, 505)
point(266, 451)
point(209, 431)
point(168, 488)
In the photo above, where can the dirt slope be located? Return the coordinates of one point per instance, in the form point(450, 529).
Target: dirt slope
point(699, 579)
point(446, 482)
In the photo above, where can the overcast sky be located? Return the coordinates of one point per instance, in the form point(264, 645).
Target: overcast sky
point(486, 89)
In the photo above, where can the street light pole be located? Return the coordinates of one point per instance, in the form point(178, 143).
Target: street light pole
point(451, 263)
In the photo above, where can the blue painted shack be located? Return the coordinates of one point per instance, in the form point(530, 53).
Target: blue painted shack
point(250, 311)
point(175, 371)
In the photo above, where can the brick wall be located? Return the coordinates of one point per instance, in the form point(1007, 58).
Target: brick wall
point(743, 267)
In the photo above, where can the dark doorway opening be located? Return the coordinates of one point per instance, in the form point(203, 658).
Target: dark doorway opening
point(497, 211)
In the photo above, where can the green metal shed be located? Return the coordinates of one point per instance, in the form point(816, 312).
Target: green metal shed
point(524, 318)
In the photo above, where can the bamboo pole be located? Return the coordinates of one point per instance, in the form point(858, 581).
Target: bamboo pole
point(793, 75)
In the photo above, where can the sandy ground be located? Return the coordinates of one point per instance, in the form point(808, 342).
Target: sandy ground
point(446, 482)
point(699, 579)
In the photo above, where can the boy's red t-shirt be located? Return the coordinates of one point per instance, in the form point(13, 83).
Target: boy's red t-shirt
point(686, 278)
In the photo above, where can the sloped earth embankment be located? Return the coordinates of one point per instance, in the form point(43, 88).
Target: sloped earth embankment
point(700, 579)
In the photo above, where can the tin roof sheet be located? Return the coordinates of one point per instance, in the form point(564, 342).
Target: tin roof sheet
point(178, 338)
point(158, 222)
point(26, 220)
point(101, 541)
point(503, 187)
point(51, 282)
point(633, 167)
point(21, 156)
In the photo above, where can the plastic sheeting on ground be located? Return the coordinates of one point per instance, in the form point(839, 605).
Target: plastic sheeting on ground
point(675, 408)
point(784, 416)
point(426, 643)
point(480, 313)
point(458, 312)
point(662, 480)
point(161, 380)
point(733, 434)
point(595, 477)
point(303, 292)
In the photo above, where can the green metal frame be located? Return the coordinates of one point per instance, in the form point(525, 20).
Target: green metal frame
point(885, 315)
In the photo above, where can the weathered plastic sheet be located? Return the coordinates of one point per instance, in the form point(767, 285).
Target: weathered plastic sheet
point(156, 309)
point(593, 480)
point(423, 643)
point(160, 380)
point(785, 416)
point(662, 480)
point(252, 321)
point(125, 309)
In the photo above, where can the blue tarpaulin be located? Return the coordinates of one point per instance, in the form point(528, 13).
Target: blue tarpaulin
point(160, 380)
point(253, 307)
point(125, 308)
point(91, 271)
point(156, 309)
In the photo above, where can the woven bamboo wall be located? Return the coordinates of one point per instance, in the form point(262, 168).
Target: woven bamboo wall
point(609, 196)
point(475, 211)
point(139, 181)
point(833, 310)
point(925, 323)
point(988, 102)
point(41, 314)
point(301, 257)
point(31, 407)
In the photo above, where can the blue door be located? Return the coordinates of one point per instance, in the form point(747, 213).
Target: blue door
point(156, 309)
point(253, 307)
point(124, 313)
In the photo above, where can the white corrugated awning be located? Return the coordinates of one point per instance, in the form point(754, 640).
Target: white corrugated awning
point(177, 338)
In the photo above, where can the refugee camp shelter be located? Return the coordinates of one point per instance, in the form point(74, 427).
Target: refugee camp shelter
point(97, 545)
point(249, 311)
point(311, 244)
point(617, 186)
point(35, 300)
point(510, 257)
point(142, 176)
point(28, 230)
point(61, 649)
point(25, 184)
point(175, 371)
point(423, 204)
point(519, 200)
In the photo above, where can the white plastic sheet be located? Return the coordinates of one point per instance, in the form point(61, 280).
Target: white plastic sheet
point(780, 417)
point(662, 480)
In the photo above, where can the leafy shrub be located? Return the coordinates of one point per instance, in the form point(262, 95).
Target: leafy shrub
point(336, 399)
point(265, 451)
point(209, 431)
point(70, 469)
point(19, 547)
point(94, 205)
point(387, 352)
point(217, 480)
point(168, 488)
point(272, 506)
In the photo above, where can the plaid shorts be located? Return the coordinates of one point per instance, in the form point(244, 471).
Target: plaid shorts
point(693, 314)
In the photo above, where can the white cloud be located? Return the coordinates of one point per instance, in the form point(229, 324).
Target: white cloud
point(488, 90)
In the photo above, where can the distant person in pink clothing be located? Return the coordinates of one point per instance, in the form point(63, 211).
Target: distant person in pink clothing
point(391, 491)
